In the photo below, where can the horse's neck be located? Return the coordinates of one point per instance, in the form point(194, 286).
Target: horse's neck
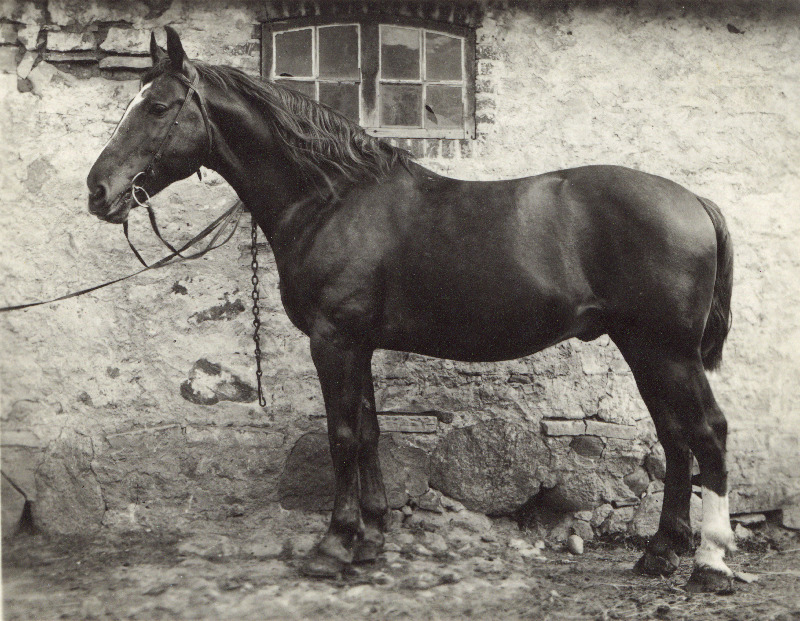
point(284, 201)
point(256, 168)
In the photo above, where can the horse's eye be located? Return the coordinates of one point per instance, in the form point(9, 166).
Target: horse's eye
point(158, 109)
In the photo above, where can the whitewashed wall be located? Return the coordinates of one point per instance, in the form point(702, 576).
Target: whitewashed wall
point(95, 427)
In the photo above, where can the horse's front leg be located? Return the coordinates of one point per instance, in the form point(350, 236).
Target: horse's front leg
point(373, 494)
point(341, 375)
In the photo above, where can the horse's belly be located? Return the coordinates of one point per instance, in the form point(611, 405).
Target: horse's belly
point(468, 333)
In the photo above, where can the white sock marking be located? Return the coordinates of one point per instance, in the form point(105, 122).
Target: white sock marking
point(716, 535)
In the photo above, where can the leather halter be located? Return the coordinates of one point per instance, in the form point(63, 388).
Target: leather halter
point(191, 90)
point(150, 170)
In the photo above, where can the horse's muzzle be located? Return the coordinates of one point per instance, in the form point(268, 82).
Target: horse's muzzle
point(115, 211)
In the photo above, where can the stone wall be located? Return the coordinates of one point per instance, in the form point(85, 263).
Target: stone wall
point(133, 406)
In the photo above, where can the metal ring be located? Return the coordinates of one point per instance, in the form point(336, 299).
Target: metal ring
point(135, 187)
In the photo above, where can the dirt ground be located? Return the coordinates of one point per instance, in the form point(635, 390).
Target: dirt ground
point(248, 570)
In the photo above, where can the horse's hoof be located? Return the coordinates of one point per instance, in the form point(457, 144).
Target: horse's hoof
point(707, 580)
point(656, 565)
point(366, 552)
point(322, 566)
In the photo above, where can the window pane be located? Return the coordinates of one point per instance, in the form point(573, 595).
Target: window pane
point(307, 88)
point(442, 57)
point(341, 97)
point(293, 53)
point(443, 107)
point(401, 104)
point(338, 52)
point(400, 52)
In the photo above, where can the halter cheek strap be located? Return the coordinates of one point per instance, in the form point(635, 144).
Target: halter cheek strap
point(149, 169)
point(191, 90)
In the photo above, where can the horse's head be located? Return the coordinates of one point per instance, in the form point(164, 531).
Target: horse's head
point(163, 136)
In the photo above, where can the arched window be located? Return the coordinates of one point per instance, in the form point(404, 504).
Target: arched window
point(406, 78)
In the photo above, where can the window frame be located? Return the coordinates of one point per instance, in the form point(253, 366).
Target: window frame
point(315, 78)
point(369, 37)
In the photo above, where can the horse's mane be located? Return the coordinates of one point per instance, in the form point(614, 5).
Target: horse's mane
point(318, 139)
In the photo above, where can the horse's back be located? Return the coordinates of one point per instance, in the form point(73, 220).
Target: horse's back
point(496, 270)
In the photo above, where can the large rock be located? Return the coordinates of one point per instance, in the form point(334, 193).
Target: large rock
point(493, 467)
point(68, 496)
point(307, 480)
point(578, 491)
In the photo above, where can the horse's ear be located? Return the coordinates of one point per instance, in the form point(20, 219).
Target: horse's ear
point(175, 48)
point(157, 53)
point(178, 58)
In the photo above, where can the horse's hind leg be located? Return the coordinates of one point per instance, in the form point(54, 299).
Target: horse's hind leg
point(674, 535)
point(676, 391)
point(373, 494)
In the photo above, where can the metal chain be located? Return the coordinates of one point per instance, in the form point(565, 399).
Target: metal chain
point(256, 319)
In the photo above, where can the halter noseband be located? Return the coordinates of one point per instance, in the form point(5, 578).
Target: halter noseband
point(149, 170)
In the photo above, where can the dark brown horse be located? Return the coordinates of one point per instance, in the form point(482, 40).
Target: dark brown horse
point(376, 252)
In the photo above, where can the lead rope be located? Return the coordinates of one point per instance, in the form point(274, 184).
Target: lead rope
point(256, 319)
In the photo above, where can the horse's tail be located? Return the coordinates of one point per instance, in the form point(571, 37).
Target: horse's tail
point(718, 323)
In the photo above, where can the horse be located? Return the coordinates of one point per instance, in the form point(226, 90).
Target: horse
point(374, 251)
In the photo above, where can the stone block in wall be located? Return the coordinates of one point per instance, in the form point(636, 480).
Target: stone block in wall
point(8, 59)
point(405, 468)
point(493, 467)
point(611, 430)
point(8, 33)
point(69, 13)
point(28, 36)
point(59, 41)
point(80, 56)
point(656, 463)
point(790, 515)
point(638, 481)
point(26, 64)
point(563, 427)
point(588, 446)
point(583, 529)
point(126, 62)
point(407, 423)
point(40, 76)
point(126, 41)
point(618, 521)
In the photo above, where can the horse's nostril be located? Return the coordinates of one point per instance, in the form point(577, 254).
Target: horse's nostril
point(98, 193)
